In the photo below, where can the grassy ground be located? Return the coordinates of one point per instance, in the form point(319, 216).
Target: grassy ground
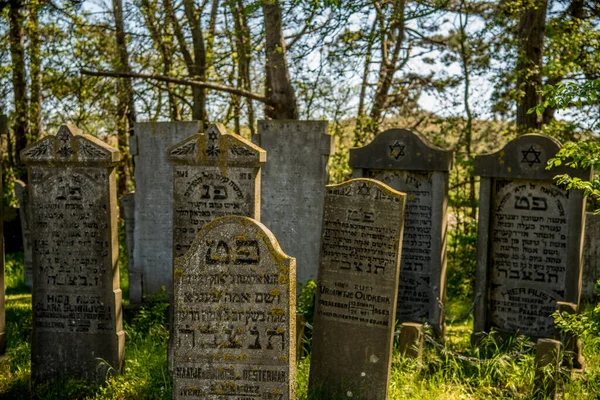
point(450, 370)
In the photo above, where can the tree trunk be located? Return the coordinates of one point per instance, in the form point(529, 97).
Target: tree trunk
point(279, 88)
point(198, 68)
point(244, 51)
point(361, 129)
point(529, 64)
point(35, 104)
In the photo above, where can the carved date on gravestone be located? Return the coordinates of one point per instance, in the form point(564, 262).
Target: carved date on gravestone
point(528, 254)
point(234, 295)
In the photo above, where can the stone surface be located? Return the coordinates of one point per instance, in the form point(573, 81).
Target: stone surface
point(22, 194)
point(406, 162)
point(546, 368)
point(77, 318)
point(127, 209)
point(234, 309)
point(591, 256)
point(529, 239)
point(153, 239)
point(293, 185)
point(357, 290)
point(411, 340)
point(214, 174)
point(572, 354)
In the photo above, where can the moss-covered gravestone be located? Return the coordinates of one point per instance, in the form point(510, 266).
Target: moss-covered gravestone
point(357, 290)
point(406, 162)
point(234, 315)
point(529, 239)
point(77, 318)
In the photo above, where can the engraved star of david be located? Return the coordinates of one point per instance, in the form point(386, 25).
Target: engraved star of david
point(531, 156)
point(397, 150)
point(364, 190)
point(213, 151)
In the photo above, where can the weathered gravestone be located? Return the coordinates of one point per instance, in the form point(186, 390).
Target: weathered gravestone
point(529, 238)
point(406, 162)
point(214, 174)
point(357, 290)
point(293, 184)
point(127, 209)
point(153, 239)
point(77, 319)
point(591, 256)
point(234, 330)
point(22, 195)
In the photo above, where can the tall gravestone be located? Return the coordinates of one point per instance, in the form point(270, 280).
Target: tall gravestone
point(406, 162)
point(591, 256)
point(153, 240)
point(357, 290)
point(234, 327)
point(22, 195)
point(127, 209)
point(529, 239)
point(77, 318)
point(293, 184)
point(214, 174)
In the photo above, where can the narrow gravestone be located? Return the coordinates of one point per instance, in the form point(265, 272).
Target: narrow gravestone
point(591, 256)
point(77, 318)
point(407, 162)
point(127, 204)
point(234, 327)
point(357, 290)
point(293, 184)
point(529, 239)
point(153, 239)
point(214, 174)
point(22, 195)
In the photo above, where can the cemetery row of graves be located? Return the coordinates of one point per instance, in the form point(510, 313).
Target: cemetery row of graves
point(232, 231)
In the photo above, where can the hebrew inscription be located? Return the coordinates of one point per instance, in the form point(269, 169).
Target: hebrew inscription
point(233, 334)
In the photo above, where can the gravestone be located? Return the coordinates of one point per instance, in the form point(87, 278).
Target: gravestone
point(529, 240)
point(214, 174)
point(153, 214)
point(22, 195)
point(234, 308)
point(76, 299)
point(357, 290)
point(591, 256)
point(406, 162)
point(127, 209)
point(293, 185)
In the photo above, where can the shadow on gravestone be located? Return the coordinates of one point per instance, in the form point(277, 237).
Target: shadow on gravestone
point(22, 194)
point(406, 162)
point(76, 299)
point(153, 241)
point(293, 185)
point(529, 239)
point(234, 309)
point(357, 290)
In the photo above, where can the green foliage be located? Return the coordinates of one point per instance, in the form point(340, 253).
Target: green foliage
point(566, 94)
point(14, 273)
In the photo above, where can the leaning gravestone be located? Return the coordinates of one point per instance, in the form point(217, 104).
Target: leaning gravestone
point(153, 239)
point(77, 318)
point(406, 162)
point(234, 327)
point(591, 256)
point(293, 184)
point(214, 174)
point(357, 290)
point(22, 195)
point(529, 239)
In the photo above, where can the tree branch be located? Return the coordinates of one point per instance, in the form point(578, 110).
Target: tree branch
point(185, 82)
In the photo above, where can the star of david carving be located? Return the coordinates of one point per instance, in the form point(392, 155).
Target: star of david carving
point(213, 151)
point(397, 150)
point(364, 190)
point(531, 156)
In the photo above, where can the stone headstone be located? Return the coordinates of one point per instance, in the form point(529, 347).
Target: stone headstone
point(547, 358)
point(529, 240)
point(153, 239)
point(214, 174)
point(591, 256)
point(293, 185)
point(234, 328)
point(22, 195)
point(77, 318)
point(406, 162)
point(357, 290)
point(127, 209)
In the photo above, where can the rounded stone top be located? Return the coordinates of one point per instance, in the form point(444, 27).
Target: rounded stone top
point(401, 149)
point(525, 157)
